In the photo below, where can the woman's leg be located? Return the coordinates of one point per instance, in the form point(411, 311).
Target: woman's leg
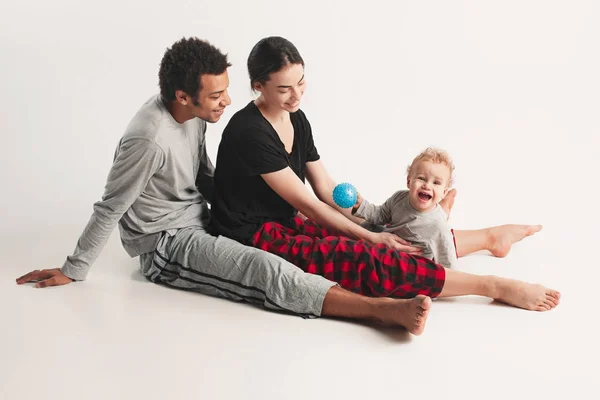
point(360, 267)
point(516, 293)
point(497, 240)
point(411, 314)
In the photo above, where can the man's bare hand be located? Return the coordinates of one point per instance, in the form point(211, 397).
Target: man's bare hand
point(45, 277)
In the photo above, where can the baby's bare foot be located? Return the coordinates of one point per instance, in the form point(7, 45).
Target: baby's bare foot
point(411, 313)
point(526, 295)
point(448, 202)
point(501, 238)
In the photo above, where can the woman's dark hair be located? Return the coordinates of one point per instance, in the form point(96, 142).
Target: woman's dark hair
point(183, 65)
point(270, 55)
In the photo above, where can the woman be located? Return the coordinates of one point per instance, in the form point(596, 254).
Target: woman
point(267, 151)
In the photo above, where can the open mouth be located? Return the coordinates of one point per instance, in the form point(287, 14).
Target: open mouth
point(425, 196)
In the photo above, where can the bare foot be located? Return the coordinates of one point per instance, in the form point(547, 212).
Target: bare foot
point(526, 295)
point(411, 313)
point(501, 238)
point(448, 202)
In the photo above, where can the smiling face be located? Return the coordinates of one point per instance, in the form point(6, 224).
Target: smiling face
point(284, 89)
point(211, 100)
point(427, 183)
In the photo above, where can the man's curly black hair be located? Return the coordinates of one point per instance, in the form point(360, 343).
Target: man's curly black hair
point(184, 63)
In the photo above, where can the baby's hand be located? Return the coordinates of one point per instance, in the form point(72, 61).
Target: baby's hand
point(356, 205)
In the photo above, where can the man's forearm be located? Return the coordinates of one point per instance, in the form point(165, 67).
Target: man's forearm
point(90, 244)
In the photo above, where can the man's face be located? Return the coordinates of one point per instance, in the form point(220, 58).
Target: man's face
point(212, 98)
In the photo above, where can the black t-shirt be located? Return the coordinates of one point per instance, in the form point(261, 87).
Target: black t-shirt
point(250, 146)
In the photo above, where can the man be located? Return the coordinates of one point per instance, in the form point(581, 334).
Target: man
point(158, 189)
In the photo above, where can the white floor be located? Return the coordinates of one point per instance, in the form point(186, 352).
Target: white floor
point(119, 336)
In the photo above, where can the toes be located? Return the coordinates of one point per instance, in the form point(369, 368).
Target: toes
point(423, 302)
point(550, 304)
point(426, 304)
point(531, 229)
point(554, 294)
point(419, 325)
point(552, 300)
point(545, 303)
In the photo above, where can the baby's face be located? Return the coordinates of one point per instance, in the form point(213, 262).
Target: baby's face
point(428, 184)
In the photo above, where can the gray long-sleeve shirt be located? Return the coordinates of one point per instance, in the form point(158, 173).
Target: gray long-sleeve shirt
point(160, 180)
point(428, 230)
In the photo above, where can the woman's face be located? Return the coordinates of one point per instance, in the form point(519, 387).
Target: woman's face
point(285, 88)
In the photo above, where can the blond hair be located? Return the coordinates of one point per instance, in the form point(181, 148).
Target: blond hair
point(437, 156)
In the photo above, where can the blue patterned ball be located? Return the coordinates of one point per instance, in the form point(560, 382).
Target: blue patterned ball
point(345, 195)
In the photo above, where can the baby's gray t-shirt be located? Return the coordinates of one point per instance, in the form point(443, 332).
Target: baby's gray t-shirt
point(428, 230)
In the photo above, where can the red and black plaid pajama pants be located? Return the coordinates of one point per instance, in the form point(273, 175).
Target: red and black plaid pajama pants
point(358, 266)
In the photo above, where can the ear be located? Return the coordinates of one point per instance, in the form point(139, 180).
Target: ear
point(446, 190)
point(182, 98)
point(408, 182)
point(258, 87)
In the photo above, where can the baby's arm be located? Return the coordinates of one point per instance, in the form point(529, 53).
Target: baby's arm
point(372, 213)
